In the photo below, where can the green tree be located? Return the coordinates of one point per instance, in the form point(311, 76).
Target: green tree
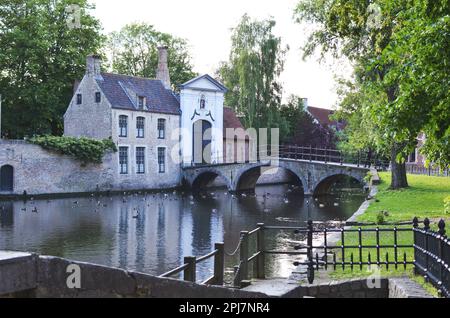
point(361, 31)
point(252, 73)
point(134, 51)
point(42, 51)
point(301, 129)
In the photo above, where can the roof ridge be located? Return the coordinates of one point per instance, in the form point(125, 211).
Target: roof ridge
point(132, 76)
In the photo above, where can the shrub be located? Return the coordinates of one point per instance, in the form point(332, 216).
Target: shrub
point(380, 217)
point(86, 150)
point(447, 205)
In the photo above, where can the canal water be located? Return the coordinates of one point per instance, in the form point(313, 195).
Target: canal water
point(151, 233)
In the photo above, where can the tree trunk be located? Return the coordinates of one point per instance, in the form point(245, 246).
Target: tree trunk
point(398, 179)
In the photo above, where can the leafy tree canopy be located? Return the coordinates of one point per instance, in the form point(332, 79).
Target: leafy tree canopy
point(252, 73)
point(134, 51)
point(43, 49)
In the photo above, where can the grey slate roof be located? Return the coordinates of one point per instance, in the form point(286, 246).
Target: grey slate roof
point(158, 99)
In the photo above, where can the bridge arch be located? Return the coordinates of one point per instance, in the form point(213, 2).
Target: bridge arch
point(324, 185)
point(205, 178)
point(247, 179)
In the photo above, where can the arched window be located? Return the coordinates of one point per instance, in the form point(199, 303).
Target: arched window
point(123, 126)
point(6, 178)
point(202, 102)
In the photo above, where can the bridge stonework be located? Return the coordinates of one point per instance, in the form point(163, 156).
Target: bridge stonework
point(241, 177)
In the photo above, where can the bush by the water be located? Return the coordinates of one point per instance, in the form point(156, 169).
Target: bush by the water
point(86, 150)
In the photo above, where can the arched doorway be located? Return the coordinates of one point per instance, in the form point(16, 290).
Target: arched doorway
point(201, 141)
point(6, 178)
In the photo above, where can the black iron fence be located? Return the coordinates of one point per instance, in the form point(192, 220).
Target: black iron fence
point(432, 255)
point(356, 246)
point(430, 171)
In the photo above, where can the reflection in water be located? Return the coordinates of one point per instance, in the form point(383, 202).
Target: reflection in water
point(152, 233)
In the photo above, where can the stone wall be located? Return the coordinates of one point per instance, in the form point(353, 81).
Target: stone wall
point(38, 171)
point(89, 119)
point(30, 275)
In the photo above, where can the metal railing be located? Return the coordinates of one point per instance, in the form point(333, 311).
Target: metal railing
point(430, 171)
point(428, 253)
point(432, 255)
point(189, 267)
point(311, 154)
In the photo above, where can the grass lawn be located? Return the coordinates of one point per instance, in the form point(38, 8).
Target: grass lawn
point(424, 198)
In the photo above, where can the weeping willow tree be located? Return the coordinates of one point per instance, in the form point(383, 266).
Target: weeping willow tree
point(252, 74)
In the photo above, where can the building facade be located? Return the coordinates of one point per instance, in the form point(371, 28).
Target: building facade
point(155, 130)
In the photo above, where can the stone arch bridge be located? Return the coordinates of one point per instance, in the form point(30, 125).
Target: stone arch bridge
point(315, 177)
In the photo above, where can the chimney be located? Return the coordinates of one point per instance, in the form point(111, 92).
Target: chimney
point(162, 73)
point(93, 65)
point(305, 103)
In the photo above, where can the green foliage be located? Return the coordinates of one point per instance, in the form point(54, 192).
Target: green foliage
point(84, 149)
point(299, 127)
point(400, 86)
point(380, 217)
point(447, 205)
point(134, 52)
point(252, 72)
point(40, 57)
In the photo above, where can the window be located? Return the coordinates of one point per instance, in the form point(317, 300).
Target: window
point(98, 97)
point(79, 99)
point(123, 125)
point(162, 160)
point(140, 160)
point(161, 128)
point(141, 102)
point(123, 160)
point(140, 126)
point(202, 102)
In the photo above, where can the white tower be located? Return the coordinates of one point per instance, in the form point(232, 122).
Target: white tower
point(201, 102)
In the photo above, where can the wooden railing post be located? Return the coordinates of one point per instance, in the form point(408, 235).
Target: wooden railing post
point(190, 271)
point(244, 256)
point(219, 264)
point(260, 263)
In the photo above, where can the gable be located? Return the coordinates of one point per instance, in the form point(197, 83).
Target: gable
point(204, 82)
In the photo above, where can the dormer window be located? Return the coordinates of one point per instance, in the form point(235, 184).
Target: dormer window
point(141, 102)
point(202, 102)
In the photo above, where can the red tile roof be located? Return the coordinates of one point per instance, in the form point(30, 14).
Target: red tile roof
point(322, 115)
point(230, 120)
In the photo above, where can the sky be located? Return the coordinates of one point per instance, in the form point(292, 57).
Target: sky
point(207, 24)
